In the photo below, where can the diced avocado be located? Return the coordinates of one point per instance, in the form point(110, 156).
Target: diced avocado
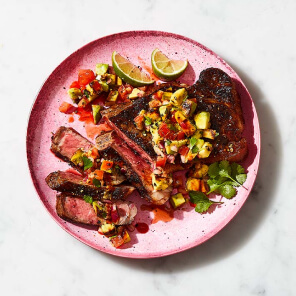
point(160, 183)
point(96, 113)
point(200, 170)
point(104, 85)
point(108, 229)
point(177, 200)
point(176, 144)
point(202, 120)
point(75, 94)
point(190, 156)
point(101, 69)
point(154, 116)
point(92, 93)
point(178, 96)
point(193, 184)
point(154, 133)
point(77, 157)
point(197, 134)
point(164, 111)
point(112, 96)
point(135, 93)
point(188, 107)
point(179, 116)
point(110, 79)
point(119, 81)
point(209, 134)
point(206, 150)
point(166, 96)
point(83, 102)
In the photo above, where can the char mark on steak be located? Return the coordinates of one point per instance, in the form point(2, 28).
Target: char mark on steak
point(76, 184)
point(75, 209)
point(138, 171)
point(216, 93)
point(121, 119)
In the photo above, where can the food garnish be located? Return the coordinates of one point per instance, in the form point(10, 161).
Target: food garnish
point(165, 68)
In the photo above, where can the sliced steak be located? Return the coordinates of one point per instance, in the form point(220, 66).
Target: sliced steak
point(76, 184)
point(138, 171)
point(121, 119)
point(66, 141)
point(75, 209)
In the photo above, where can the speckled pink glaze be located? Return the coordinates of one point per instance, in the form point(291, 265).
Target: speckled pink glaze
point(188, 229)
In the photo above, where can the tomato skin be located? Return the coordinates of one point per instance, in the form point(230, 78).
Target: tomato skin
point(173, 119)
point(139, 121)
point(160, 162)
point(95, 85)
point(99, 174)
point(164, 130)
point(180, 135)
point(183, 150)
point(75, 84)
point(85, 77)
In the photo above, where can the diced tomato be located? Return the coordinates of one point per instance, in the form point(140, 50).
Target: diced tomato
point(183, 150)
point(75, 84)
point(139, 121)
point(154, 103)
point(192, 204)
point(160, 162)
point(164, 130)
point(94, 152)
point(96, 85)
point(173, 119)
point(67, 108)
point(123, 94)
point(183, 124)
point(158, 95)
point(85, 77)
point(106, 165)
point(117, 241)
point(128, 88)
point(180, 136)
point(99, 174)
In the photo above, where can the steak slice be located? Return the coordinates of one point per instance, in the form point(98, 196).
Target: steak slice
point(216, 93)
point(66, 141)
point(76, 184)
point(75, 209)
point(138, 171)
point(121, 119)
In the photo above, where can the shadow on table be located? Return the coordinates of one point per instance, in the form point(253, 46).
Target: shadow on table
point(257, 207)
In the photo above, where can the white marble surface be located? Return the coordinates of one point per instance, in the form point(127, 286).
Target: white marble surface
point(254, 254)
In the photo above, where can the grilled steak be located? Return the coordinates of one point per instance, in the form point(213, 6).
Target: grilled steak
point(121, 119)
point(75, 209)
point(76, 184)
point(215, 93)
point(138, 171)
point(66, 141)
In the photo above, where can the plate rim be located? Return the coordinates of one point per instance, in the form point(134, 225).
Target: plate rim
point(117, 252)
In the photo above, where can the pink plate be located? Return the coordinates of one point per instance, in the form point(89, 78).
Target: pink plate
point(188, 228)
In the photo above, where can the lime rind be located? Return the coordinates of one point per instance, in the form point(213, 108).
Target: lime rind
point(129, 72)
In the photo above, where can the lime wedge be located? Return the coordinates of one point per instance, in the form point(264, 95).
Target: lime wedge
point(166, 69)
point(129, 72)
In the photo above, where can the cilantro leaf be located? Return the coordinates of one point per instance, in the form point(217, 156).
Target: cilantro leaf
point(168, 142)
point(214, 170)
point(96, 182)
point(236, 169)
point(88, 199)
point(201, 201)
point(241, 178)
point(87, 163)
point(227, 191)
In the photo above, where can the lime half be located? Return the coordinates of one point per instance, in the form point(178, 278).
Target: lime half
point(129, 72)
point(166, 69)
